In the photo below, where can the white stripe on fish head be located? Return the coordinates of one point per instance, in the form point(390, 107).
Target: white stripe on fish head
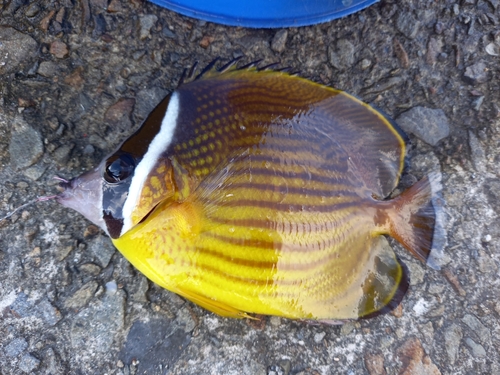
point(159, 144)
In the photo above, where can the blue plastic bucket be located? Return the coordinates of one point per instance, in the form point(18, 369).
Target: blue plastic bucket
point(265, 13)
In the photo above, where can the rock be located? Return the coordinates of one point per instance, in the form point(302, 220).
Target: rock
point(279, 40)
point(75, 78)
point(48, 313)
point(25, 146)
point(318, 337)
point(157, 338)
point(118, 115)
point(430, 125)
point(374, 363)
point(168, 33)
point(90, 268)
point(61, 154)
point(477, 328)
point(115, 6)
point(146, 22)
point(102, 249)
point(477, 153)
point(414, 359)
point(408, 25)
point(342, 54)
point(452, 337)
point(59, 49)
point(147, 100)
point(137, 291)
point(476, 349)
point(493, 49)
point(15, 347)
point(206, 41)
point(476, 73)
point(433, 50)
point(48, 69)
point(32, 10)
point(401, 53)
point(94, 329)
point(35, 172)
point(82, 296)
point(16, 50)
point(28, 363)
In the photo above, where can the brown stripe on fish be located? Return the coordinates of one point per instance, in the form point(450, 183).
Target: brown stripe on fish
point(139, 142)
point(325, 271)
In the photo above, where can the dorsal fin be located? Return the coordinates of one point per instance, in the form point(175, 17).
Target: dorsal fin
point(211, 70)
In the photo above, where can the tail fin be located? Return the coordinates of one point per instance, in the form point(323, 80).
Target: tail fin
point(415, 220)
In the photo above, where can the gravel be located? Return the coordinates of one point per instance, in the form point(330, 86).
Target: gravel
point(77, 77)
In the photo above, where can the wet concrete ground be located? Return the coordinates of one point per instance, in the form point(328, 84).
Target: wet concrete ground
point(78, 77)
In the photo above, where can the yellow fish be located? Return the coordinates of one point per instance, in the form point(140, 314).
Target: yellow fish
point(252, 191)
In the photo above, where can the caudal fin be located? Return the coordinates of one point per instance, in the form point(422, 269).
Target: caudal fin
point(415, 220)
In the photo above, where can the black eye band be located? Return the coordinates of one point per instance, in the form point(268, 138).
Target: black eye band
point(119, 167)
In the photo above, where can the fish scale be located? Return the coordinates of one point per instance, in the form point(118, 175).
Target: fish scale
point(258, 192)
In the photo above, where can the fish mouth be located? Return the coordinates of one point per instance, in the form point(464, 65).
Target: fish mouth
point(84, 195)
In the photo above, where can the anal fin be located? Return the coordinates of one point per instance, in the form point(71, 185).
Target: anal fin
point(385, 284)
point(215, 306)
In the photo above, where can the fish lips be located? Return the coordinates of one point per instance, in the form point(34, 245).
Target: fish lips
point(84, 195)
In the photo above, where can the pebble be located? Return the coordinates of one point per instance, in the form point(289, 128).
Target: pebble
point(374, 363)
point(430, 125)
point(115, 6)
point(102, 249)
point(342, 55)
point(477, 153)
point(476, 73)
point(16, 50)
point(118, 115)
point(28, 363)
point(476, 104)
point(493, 49)
point(48, 69)
point(61, 154)
point(59, 49)
point(26, 146)
point(478, 328)
point(90, 268)
point(452, 337)
point(168, 33)
point(146, 23)
point(137, 290)
point(82, 296)
point(48, 313)
point(414, 359)
point(486, 263)
point(15, 347)
point(318, 337)
point(35, 172)
point(408, 25)
point(476, 349)
point(32, 10)
point(278, 43)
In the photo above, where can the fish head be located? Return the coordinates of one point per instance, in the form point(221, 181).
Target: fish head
point(100, 193)
point(127, 185)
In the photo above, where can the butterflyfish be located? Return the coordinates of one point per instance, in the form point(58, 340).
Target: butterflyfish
point(254, 191)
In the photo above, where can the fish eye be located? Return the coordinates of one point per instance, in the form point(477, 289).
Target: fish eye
point(118, 168)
